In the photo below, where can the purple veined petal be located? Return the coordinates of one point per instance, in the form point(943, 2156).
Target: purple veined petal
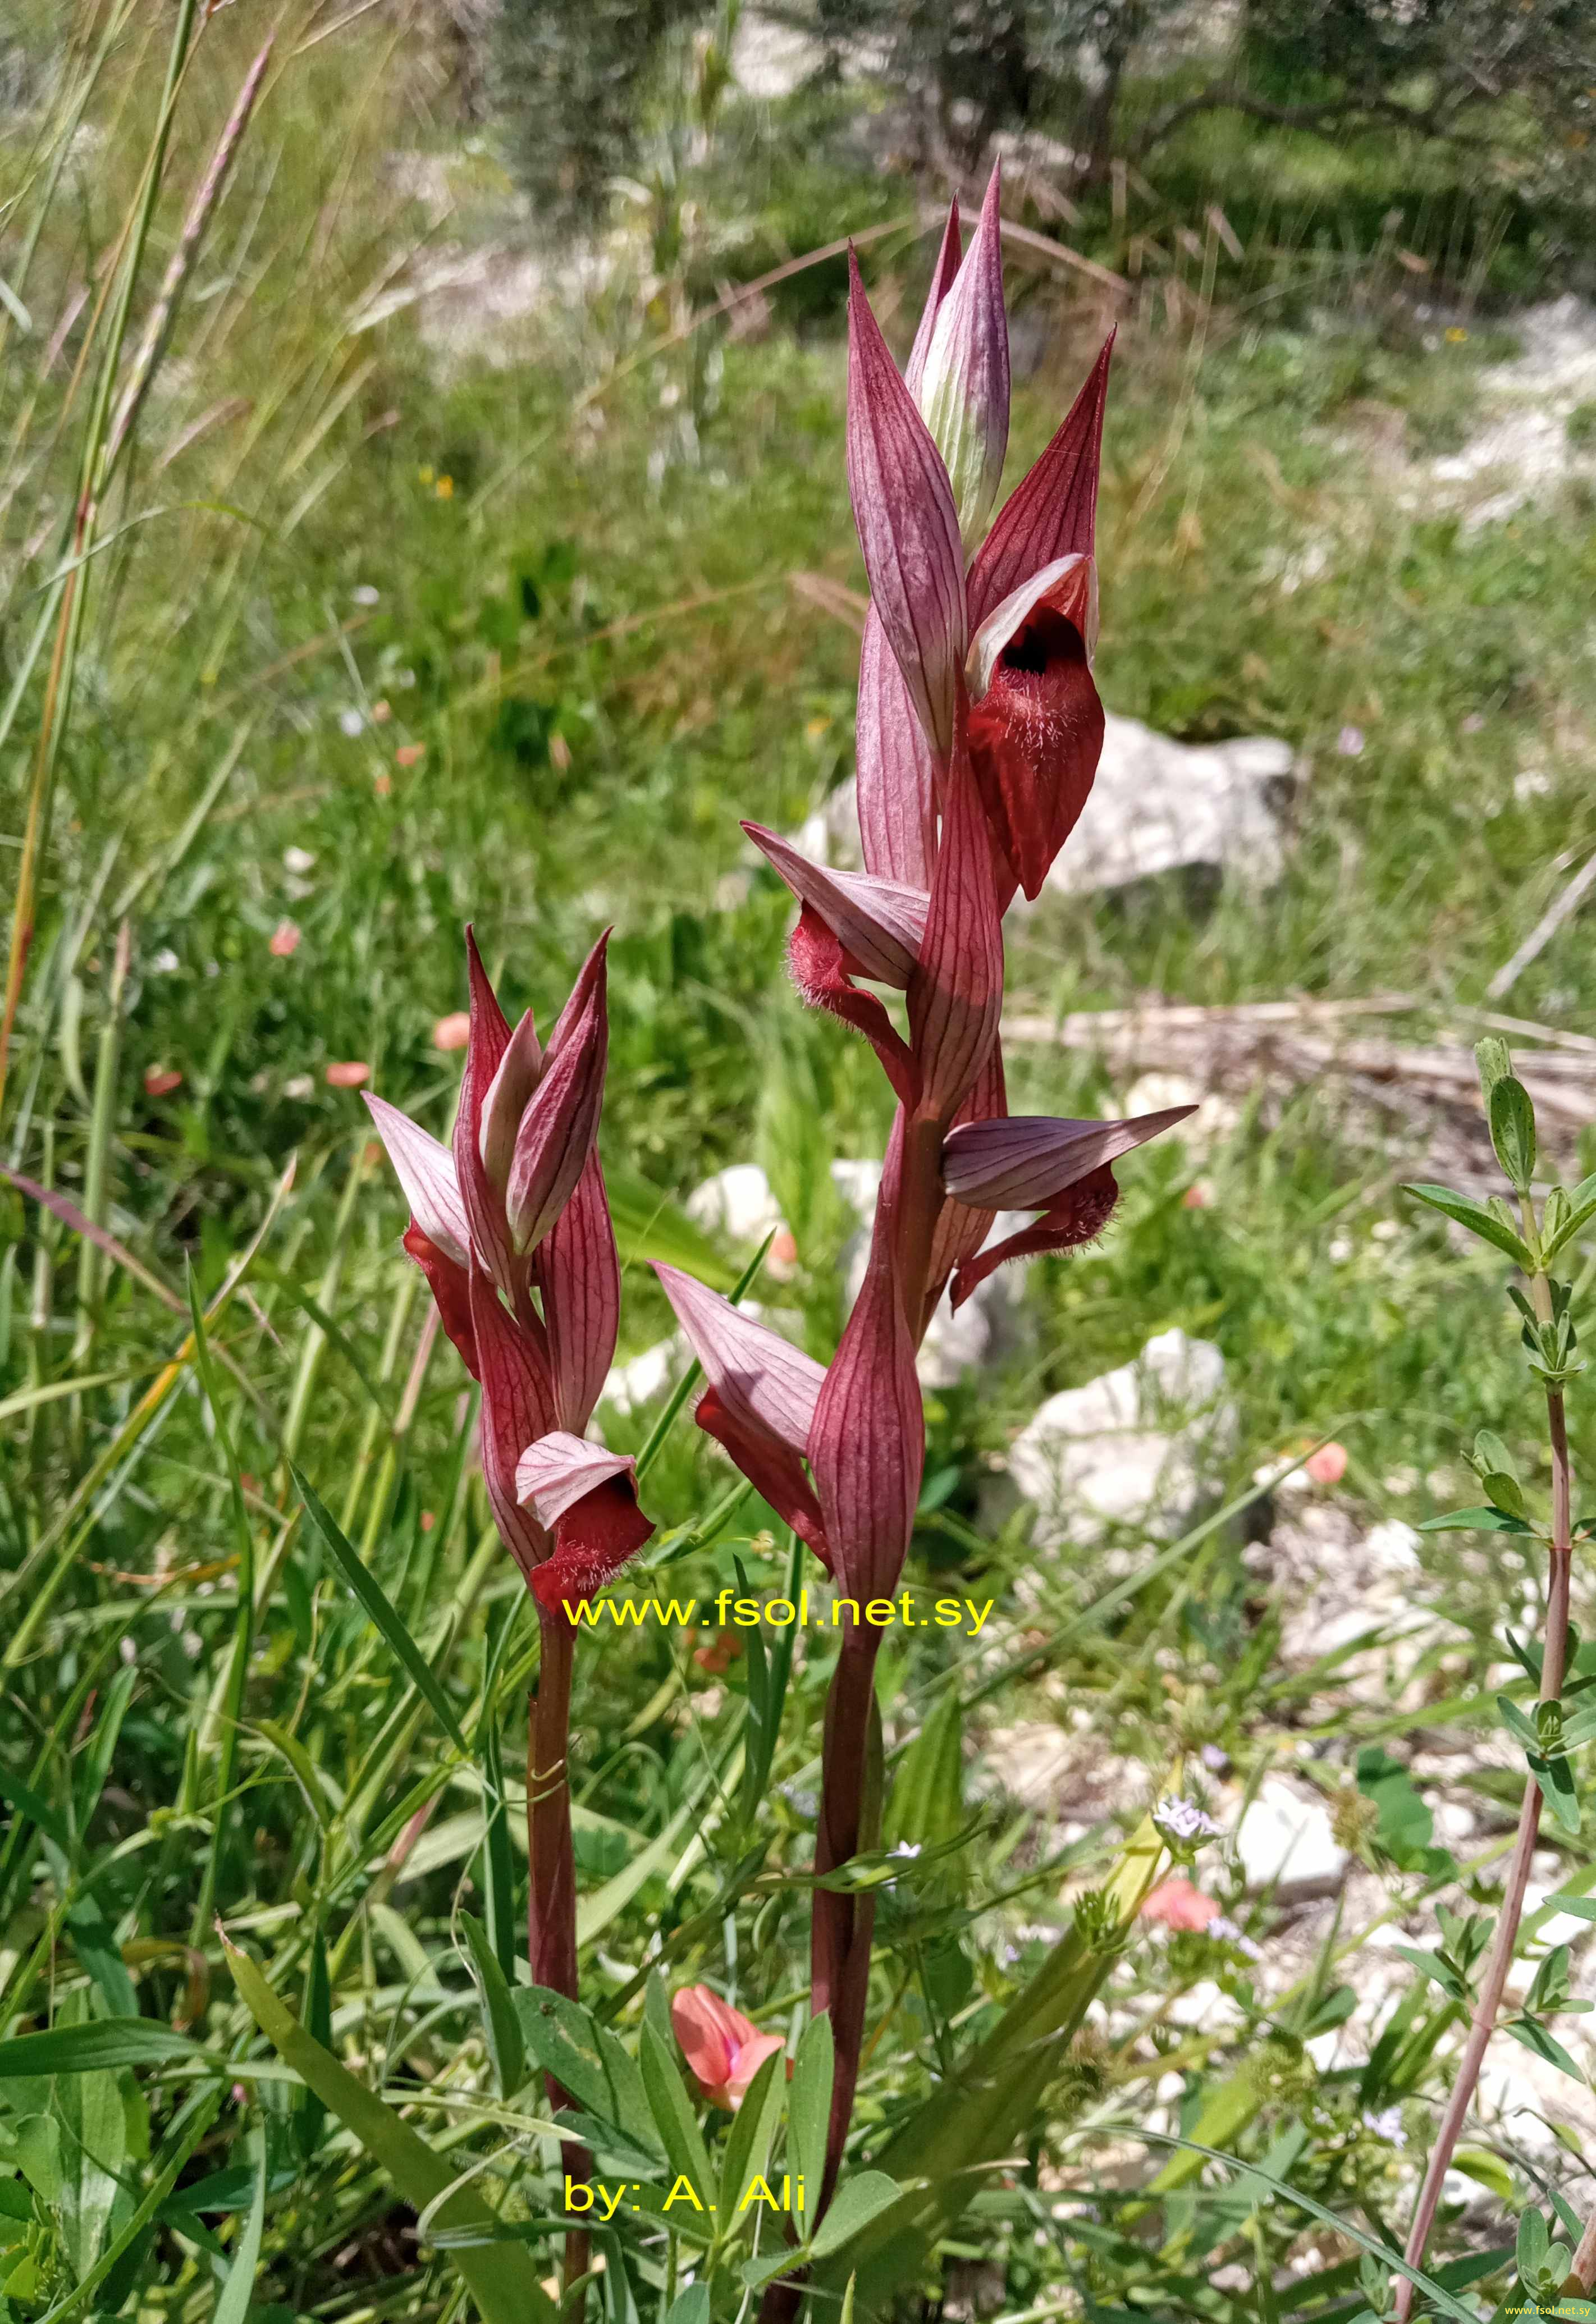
point(758, 1375)
point(943, 275)
point(1052, 512)
point(896, 787)
point(1026, 1161)
point(482, 1201)
point(517, 1408)
point(556, 1472)
point(867, 1441)
point(561, 1120)
point(908, 527)
point(963, 392)
point(955, 996)
point(1071, 581)
point(879, 922)
point(579, 1275)
point(506, 1099)
point(425, 1170)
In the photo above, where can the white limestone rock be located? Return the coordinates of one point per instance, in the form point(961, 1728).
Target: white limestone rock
point(1285, 1839)
point(737, 1203)
point(1132, 1447)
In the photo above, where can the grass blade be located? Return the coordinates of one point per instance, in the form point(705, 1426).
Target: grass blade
point(500, 2277)
point(365, 1587)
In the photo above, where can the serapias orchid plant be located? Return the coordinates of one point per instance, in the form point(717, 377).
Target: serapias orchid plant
point(979, 733)
point(512, 1229)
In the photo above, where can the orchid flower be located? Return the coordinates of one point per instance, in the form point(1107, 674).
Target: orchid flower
point(511, 1227)
point(978, 736)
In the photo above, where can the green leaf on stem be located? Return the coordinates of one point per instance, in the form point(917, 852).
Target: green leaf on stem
point(674, 2121)
point(1561, 1229)
point(1555, 1778)
point(585, 2059)
point(1535, 2038)
point(1440, 1972)
point(857, 2201)
point(749, 2140)
point(1466, 1211)
point(506, 2050)
point(808, 2113)
point(1512, 1131)
point(1474, 1521)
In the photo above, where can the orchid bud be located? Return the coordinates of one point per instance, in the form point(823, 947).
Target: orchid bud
point(963, 393)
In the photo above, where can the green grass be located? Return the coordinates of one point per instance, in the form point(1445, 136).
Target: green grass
point(602, 664)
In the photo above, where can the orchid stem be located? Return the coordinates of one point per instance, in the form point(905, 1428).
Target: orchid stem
point(842, 1925)
point(551, 1893)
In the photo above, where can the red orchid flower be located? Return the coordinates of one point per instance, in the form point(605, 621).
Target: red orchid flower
point(512, 1229)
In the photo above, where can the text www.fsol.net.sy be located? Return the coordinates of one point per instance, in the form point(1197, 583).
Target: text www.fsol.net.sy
point(728, 1611)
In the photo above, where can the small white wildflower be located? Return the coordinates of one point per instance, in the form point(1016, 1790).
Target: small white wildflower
point(352, 722)
point(906, 1848)
point(299, 1085)
point(1213, 1758)
point(365, 595)
point(1534, 783)
point(1386, 2124)
point(1225, 1929)
point(165, 963)
point(1341, 1249)
point(1185, 1821)
point(128, 1651)
point(299, 861)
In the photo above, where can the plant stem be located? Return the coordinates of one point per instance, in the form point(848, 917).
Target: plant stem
point(1484, 2023)
point(551, 1893)
point(842, 1925)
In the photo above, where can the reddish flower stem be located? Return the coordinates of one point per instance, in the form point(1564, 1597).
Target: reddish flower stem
point(551, 1895)
point(842, 1926)
point(1484, 2023)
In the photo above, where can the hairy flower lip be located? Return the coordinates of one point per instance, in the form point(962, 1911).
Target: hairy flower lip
point(1025, 1161)
point(1067, 587)
point(1037, 727)
point(1075, 1216)
point(879, 923)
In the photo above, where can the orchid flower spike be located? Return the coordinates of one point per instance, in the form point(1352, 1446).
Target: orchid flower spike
point(511, 1228)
